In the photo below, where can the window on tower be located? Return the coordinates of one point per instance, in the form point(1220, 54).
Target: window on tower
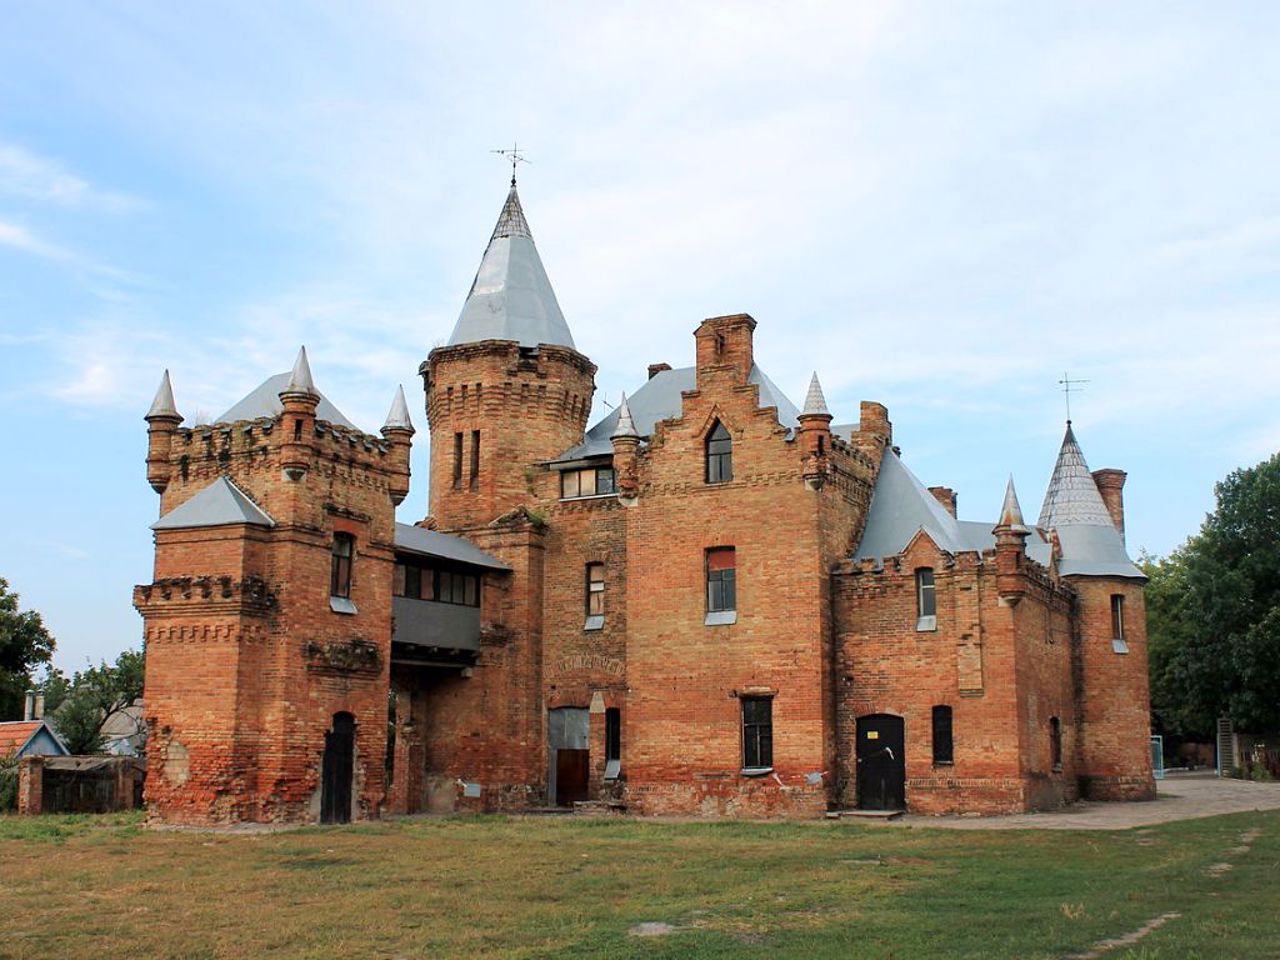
point(1119, 642)
point(340, 559)
point(595, 596)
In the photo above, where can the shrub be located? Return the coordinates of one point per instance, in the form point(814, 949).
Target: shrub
point(8, 784)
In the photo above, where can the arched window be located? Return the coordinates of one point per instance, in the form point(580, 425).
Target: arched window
point(719, 455)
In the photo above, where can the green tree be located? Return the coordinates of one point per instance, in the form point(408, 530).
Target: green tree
point(24, 645)
point(1213, 611)
point(93, 696)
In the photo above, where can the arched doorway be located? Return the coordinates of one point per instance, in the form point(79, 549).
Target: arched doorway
point(882, 768)
point(337, 770)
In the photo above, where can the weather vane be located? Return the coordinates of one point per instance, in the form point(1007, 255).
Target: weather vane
point(515, 156)
point(1068, 385)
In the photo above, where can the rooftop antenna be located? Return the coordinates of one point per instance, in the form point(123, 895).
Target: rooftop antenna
point(515, 156)
point(1068, 385)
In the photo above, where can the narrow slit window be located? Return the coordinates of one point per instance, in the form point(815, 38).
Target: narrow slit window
point(1119, 642)
point(757, 733)
point(457, 461)
point(475, 459)
point(926, 600)
point(340, 567)
point(1055, 743)
point(595, 589)
point(612, 743)
point(943, 746)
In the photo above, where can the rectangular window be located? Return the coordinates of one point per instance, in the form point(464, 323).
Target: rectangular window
point(926, 600)
point(1055, 743)
point(340, 567)
point(722, 593)
point(590, 482)
point(943, 748)
point(413, 581)
point(457, 461)
point(595, 589)
point(462, 589)
point(1119, 643)
point(398, 581)
point(475, 459)
point(757, 733)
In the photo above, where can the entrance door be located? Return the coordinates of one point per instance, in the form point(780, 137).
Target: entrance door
point(882, 768)
point(337, 770)
point(570, 760)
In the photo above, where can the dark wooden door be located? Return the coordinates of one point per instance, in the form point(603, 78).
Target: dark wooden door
point(572, 772)
point(339, 754)
point(882, 768)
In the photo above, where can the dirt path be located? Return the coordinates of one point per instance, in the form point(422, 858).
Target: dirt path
point(1181, 797)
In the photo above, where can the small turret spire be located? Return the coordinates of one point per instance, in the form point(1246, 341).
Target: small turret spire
point(398, 417)
point(626, 426)
point(300, 378)
point(163, 405)
point(1011, 511)
point(814, 402)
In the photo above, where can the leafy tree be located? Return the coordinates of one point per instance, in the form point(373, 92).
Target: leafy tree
point(1213, 611)
point(24, 645)
point(93, 696)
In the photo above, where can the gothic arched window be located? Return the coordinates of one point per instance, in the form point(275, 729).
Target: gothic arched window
point(719, 455)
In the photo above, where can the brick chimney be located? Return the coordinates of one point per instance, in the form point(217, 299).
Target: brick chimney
point(657, 368)
point(1110, 483)
point(945, 496)
point(726, 343)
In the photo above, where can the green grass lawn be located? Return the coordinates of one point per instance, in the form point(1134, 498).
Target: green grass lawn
point(104, 887)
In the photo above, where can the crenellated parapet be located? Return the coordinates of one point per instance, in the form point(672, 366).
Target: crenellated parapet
point(200, 596)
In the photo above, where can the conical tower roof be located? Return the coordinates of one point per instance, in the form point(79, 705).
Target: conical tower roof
point(163, 405)
point(398, 416)
point(626, 426)
point(300, 377)
point(1011, 511)
point(1072, 497)
point(814, 402)
point(511, 297)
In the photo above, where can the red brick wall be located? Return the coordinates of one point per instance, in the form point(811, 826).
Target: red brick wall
point(246, 663)
point(1115, 712)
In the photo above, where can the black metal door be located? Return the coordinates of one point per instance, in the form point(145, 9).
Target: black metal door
point(882, 768)
point(339, 757)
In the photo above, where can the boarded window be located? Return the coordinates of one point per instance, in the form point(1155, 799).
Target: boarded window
point(943, 747)
point(719, 455)
point(595, 589)
point(757, 733)
point(722, 592)
point(588, 482)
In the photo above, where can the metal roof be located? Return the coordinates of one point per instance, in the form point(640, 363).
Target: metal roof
point(220, 503)
point(901, 506)
point(264, 401)
point(163, 405)
point(659, 399)
point(814, 401)
point(1090, 550)
point(398, 416)
point(1073, 495)
point(443, 546)
point(511, 297)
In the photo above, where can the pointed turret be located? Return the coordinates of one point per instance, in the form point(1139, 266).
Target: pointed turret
point(398, 416)
point(815, 435)
point(814, 401)
point(163, 419)
point(1011, 548)
point(1011, 511)
point(398, 432)
point(1073, 497)
point(626, 426)
point(511, 297)
point(163, 405)
point(300, 377)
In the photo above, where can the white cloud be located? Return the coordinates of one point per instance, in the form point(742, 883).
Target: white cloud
point(24, 174)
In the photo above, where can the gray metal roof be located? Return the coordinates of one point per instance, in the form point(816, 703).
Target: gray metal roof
point(1091, 550)
point(659, 399)
point(398, 416)
point(163, 405)
point(443, 546)
point(814, 401)
point(1073, 495)
point(511, 297)
point(901, 506)
point(220, 503)
point(264, 401)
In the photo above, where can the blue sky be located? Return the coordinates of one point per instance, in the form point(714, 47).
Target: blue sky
point(939, 206)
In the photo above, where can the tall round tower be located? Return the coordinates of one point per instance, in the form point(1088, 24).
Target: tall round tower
point(509, 390)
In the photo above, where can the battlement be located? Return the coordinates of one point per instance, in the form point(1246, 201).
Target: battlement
point(202, 595)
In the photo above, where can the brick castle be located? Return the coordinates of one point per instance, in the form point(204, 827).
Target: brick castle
point(708, 602)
